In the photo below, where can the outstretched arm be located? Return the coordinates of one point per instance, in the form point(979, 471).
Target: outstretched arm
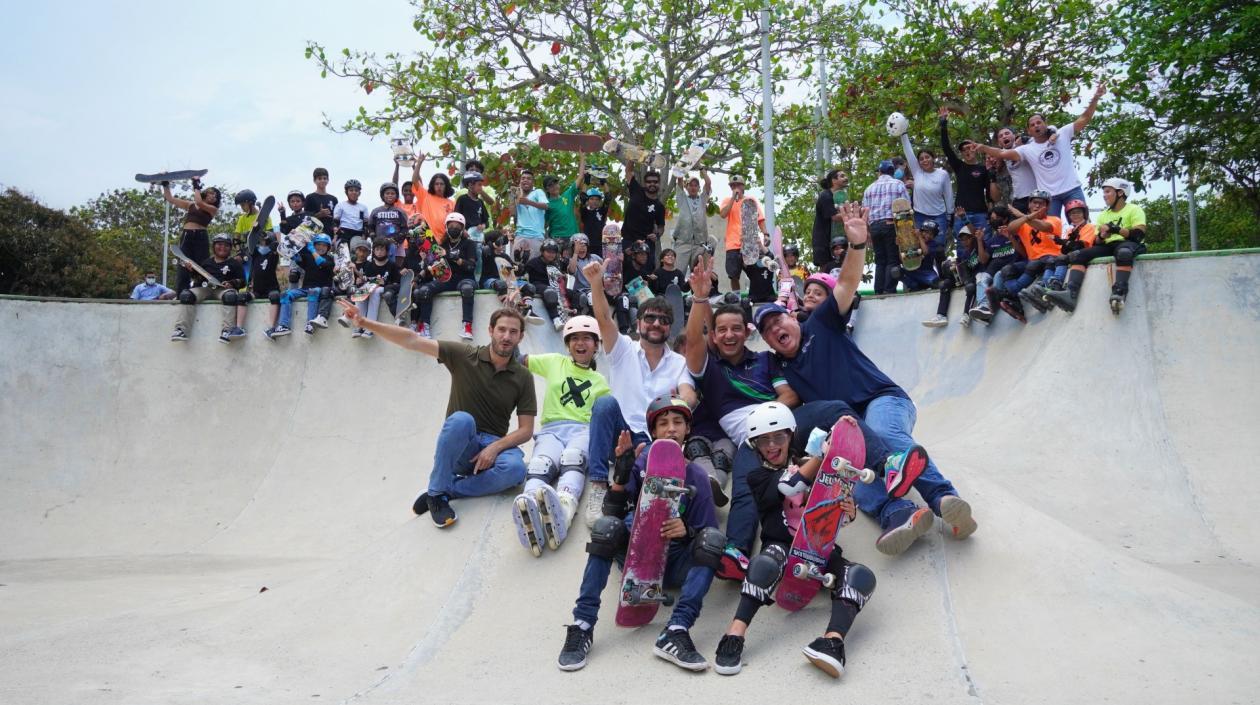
point(397, 335)
point(911, 160)
point(1081, 122)
point(1009, 155)
point(701, 281)
point(171, 199)
point(946, 147)
point(856, 231)
point(603, 314)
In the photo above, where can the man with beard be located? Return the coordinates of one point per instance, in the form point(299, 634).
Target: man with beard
point(821, 362)
point(475, 454)
point(645, 211)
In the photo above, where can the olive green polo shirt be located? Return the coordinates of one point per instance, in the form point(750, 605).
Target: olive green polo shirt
point(488, 394)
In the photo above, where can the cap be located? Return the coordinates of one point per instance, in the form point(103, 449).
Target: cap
point(765, 313)
point(594, 193)
point(736, 179)
point(471, 176)
point(886, 167)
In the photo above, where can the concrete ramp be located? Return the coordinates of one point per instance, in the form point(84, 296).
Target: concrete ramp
point(231, 524)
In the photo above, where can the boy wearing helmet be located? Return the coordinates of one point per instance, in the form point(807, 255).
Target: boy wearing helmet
point(792, 258)
point(594, 215)
point(287, 224)
point(382, 271)
point(695, 545)
point(580, 293)
point(556, 475)
point(387, 219)
point(350, 217)
point(537, 271)
point(1035, 240)
point(226, 269)
point(1121, 230)
point(317, 280)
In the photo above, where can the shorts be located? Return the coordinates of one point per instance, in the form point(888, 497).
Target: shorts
point(734, 263)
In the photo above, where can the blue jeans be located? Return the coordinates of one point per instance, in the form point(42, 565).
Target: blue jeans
point(893, 419)
point(1056, 202)
point(1026, 277)
point(458, 444)
point(606, 424)
point(679, 571)
point(313, 297)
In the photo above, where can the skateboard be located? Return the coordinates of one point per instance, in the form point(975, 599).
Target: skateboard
point(597, 174)
point(256, 232)
point(570, 142)
point(185, 175)
point(210, 278)
point(660, 498)
point(612, 260)
point(364, 291)
point(403, 154)
point(638, 290)
point(907, 239)
point(674, 296)
point(507, 273)
point(1013, 308)
point(749, 237)
point(787, 287)
point(343, 276)
point(690, 157)
point(299, 237)
point(405, 283)
point(830, 506)
point(438, 266)
point(799, 285)
point(634, 154)
point(557, 278)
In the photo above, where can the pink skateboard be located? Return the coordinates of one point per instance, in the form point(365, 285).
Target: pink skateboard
point(829, 507)
point(642, 582)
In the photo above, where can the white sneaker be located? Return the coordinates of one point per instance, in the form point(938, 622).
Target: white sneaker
point(595, 502)
point(937, 321)
point(320, 321)
point(358, 332)
point(559, 324)
point(965, 321)
point(957, 516)
point(345, 322)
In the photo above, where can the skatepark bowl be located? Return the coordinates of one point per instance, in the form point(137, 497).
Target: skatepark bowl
point(206, 523)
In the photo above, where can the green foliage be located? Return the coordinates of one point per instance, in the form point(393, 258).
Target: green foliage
point(1225, 222)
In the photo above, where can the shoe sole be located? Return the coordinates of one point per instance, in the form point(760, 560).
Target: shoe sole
point(572, 667)
point(935, 324)
point(319, 325)
point(824, 662)
point(727, 670)
point(956, 513)
point(896, 543)
point(550, 511)
point(524, 515)
point(694, 667)
point(719, 497)
point(345, 323)
point(911, 471)
point(225, 341)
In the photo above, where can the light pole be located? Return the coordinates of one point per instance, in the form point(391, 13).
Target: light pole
point(767, 117)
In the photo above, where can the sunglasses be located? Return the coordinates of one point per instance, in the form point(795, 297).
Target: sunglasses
point(657, 319)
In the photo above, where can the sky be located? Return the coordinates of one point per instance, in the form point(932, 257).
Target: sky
point(96, 92)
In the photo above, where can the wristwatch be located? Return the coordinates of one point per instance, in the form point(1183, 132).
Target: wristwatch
point(857, 245)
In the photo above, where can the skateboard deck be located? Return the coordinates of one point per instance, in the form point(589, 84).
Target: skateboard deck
point(299, 237)
point(612, 262)
point(749, 236)
point(638, 290)
point(363, 292)
point(634, 154)
point(405, 283)
point(907, 240)
point(210, 278)
point(690, 157)
point(185, 175)
point(787, 287)
point(570, 142)
point(404, 155)
point(829, 507)
point(660, 498)
point(557, 279)
point(674, 296)
point(256, 232)
point(343, 276)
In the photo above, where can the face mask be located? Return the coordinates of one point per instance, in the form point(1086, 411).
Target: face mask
point(150, 280)
point(263, 250)
point(899, 174)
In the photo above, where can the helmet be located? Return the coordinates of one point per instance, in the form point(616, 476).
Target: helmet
point(1119, 184)
point(387, 186)
point(354, 183)
point(594, 193)
point(897, 125)
point(822, 278)
point(768, 418)
point(930, 225)
point(667, 402)
point(1074, 204)
point(580, 238)
point(245, 196)
point(841, 241)
point(295, 192)
point(611, 227)
point(454, 217)
point(222, 237)
point(581, 324)
point(322, 238)
point(359, 241)
point(1040, 193)
point(549, 245)
point(640, 246)
point(791, 250)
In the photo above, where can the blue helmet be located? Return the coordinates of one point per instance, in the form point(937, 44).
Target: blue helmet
point(322, 238)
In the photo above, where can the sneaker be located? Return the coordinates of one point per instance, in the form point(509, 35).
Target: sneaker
point(320, 321)
point(730, 652)
point(557, 323)
point(937, 321)
point(902, 470)
point(827, 653)
point(965, 321)
point(719, 497)
point(224, 336)
point(896, 540)
point(982, 312)
point(466, 332)
point(674, 645)
point(236, 332)
point(555, 522)
point(424, 331)
point(345, 322)
point(367, 334)
point(440, 510)
point(279, 332)
point(956, 514)
point(309, 329)
point(529, 527)
point(179, 336)
point(577, 644)
point(595, 502)
point(421, 505)
point(733, 565)
point(358, 332)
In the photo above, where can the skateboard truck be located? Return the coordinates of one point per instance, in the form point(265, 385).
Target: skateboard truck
point(865, 475)
point(655, 486)
point(811, 571)
point(639, 593)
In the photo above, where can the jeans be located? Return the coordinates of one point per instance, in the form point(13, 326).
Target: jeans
point(606, 424)
point(979, 223)
point(892, 418)
point(679, 571)
point(458, 444)
point(1056, 202)
point(371, 306)
point(313, 296)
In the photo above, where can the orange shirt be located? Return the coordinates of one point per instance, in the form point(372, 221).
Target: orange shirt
point(434, 209)
point(1087, 234)
point(1037, 245)
point(735, 221)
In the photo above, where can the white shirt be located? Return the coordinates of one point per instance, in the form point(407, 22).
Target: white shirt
point(933, 192)
point(634, 384)
point(350, 215)
point(1023, 181)
point(1052, 164)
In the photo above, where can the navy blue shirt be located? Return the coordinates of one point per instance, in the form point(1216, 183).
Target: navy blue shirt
point(830, 366)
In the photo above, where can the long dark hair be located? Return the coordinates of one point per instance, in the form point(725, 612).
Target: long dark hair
point(825, 182)
point(446, 192)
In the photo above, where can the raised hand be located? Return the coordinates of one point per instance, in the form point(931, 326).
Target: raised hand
point(593, 270)
point(701, 279)
point(855, 216)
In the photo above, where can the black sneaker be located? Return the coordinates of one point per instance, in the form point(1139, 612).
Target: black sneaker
point(421, 505)
point(719, 497)
point(674, 645)
point(826, 653)
point(577, 644)
point(440, 510)
point(729, 659)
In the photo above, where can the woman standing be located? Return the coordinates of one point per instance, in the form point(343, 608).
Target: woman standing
point(194, 241)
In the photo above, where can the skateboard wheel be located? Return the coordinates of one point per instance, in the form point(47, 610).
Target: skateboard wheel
point(799, 570)
point(828, 580)
point(866, 475)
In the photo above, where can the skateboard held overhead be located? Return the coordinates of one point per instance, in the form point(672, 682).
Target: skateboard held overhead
point(571, 142)
point(185, 175)
point(634, 154)
point(690, 157)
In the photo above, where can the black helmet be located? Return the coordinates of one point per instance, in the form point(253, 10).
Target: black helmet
point(221, 237)
point(387, 186)
point(791, 250)
point(841, 241)
point(639, 246)
point(354, 183)
point(549, 245)
point(667, 402)
point(245, 196)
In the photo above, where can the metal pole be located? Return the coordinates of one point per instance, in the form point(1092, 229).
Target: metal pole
point(1176, 228)
point(463, 136)
point(1194, 222)
point(166, 239)
point(824, 102)
point(767, 117)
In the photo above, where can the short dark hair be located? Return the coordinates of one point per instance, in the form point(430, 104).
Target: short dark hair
point(657, 304)
point(319, 171)
point(527, 171)
point(507, 312)
point(406, 186)
point(652, 173)
point(728, 310)
point(474, 165)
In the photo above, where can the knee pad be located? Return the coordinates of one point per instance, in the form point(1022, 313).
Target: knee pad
point(295, 274)
point(231, 298)
point(1077, 257)
point(1008, 272)
point(551, 296)
point(187, 297)
point(609, 537)
point(273, 297)
point(424, 293)
point(245, 297)
point(573, 460)
point(856, 585)
point(390, 296)
point(697, 447)
point(708, 547)
point(500, 287)
point(1126, 252)
point(467, 289)
point(542, 468)
point(764, 572)
point(527, 289)
point(894, 271)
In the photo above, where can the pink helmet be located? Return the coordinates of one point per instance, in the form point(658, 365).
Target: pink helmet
point(822, 278)
point(581, 324)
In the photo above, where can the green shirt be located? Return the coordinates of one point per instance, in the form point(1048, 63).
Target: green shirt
point(561, 220)
point(1129, 217)
point(489, 394)
point(571, 390)
point(837, 226)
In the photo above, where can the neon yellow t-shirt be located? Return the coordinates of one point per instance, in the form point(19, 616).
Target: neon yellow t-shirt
point(571, 390)
point(1128, 217)
point(245, 223)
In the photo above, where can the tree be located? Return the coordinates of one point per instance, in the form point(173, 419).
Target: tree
point(1225, 222)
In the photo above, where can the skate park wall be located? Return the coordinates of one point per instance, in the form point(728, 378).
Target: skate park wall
point(197, 522)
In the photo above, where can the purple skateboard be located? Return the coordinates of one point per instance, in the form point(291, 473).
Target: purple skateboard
point(642, 588)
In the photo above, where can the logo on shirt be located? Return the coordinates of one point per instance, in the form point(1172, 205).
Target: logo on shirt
point(576, 392)
point(1049, 158)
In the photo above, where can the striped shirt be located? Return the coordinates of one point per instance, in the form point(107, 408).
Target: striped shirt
point(879, 197)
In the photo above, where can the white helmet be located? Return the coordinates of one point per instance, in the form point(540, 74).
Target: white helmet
point(1119, 185)
point(768, 418)
point(897, 125)
point(581, 324)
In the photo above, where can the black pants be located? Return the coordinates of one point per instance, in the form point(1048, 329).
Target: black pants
point(884, 241)
point(948, 281)
point(196, 245)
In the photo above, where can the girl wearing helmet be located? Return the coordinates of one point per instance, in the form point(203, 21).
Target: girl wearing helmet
point(194, 241)
point(556, 475)
point(818, 288)
point(1080, 234)
point(317, 279)
point(1121, 230)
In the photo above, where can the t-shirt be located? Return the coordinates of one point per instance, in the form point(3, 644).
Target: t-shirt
point(643, 214)
point(734, 389)
point(735, 221)
point(561, 220)
point(1085, 234)
point(579, 278)
point(245, 223)
point(829, 365)
point(635, 385)
point(145, 292)
point(352, 216)
point(536, 270)
point(262, 272)
point(762, 287)
point(1052, 163)
point(571, 389)
point(593, 221)
point(1023, 181)
point(229, 271)
point(386, 221)
point(489, 394)
point(664, 277)
point(315, 201)
point(1128, 217)
point(531, 222)
point(381, 273)
point(434, 209)
point(474, 211)
point(698, 511)
point(1036, 244)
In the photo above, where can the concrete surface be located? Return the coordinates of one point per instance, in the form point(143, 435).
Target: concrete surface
point(202, 523)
